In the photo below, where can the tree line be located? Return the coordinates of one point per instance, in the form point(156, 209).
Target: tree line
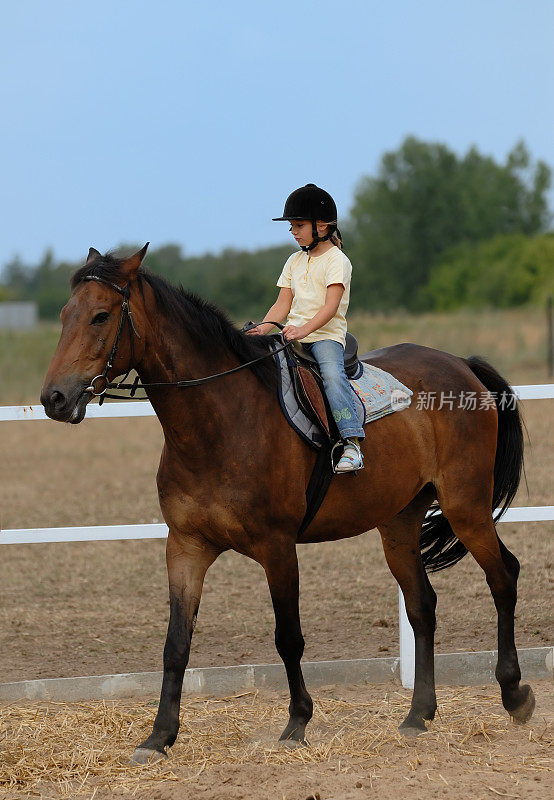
point(431, 230)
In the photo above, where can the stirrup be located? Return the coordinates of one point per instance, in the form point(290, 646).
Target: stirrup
point(348, 462)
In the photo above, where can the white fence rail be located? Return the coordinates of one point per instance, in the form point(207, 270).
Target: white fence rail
point(110, 533)
point(142, 408)
point(544, 391)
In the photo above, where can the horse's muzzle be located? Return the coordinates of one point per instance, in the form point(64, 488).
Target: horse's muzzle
point(65, 404)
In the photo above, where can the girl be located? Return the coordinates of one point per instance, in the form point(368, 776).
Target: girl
point(314, 294)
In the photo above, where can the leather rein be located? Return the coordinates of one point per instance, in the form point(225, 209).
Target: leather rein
point(126, 314)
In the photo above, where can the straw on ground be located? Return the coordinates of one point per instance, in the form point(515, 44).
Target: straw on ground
point(80, 748)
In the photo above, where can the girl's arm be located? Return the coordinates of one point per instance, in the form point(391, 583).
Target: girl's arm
point(333, 296)
point(276, 313)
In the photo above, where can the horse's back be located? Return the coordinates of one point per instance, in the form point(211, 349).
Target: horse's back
point(421, 367)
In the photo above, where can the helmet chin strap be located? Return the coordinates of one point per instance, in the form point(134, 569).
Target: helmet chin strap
point(317, 239)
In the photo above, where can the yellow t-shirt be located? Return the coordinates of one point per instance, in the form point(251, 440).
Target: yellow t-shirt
point(308, 278)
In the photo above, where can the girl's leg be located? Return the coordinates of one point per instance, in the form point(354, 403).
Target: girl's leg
point(330, 357)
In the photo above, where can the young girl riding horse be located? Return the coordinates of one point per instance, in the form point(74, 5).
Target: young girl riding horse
point(314, 295)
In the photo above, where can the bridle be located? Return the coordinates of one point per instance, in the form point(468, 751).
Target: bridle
point(126, 313)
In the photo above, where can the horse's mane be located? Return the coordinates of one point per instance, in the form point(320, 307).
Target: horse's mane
point(208, 326)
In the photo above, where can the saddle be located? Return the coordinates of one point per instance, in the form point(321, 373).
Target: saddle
point(351, 362)
point(308, 384)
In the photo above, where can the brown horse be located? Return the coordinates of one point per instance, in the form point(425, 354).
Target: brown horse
point(233, 474)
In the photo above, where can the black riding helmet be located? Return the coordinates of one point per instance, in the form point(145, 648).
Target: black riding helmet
point(311, 202)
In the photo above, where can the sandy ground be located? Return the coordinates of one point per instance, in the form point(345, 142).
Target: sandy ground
point(227, 747)
point(95, 608)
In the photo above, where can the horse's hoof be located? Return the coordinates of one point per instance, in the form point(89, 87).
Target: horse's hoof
point(412, 727)
point(524, 712)
point(293, 735)
point(292, 744)
point(144, 755)
point(409, 732)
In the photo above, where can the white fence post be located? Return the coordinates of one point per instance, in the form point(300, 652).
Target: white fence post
point(407, 645)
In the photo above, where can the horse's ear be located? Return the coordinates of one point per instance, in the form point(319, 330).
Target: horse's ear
point(93, 254)
point(131, 265)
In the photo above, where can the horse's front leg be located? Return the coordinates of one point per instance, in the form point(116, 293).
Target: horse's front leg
point(281, 567)
point(188, 559)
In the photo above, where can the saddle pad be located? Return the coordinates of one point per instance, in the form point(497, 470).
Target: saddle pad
point(377, 393)
point(294, 415)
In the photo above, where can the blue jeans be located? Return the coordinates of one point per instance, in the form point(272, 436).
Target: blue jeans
point(330, 357)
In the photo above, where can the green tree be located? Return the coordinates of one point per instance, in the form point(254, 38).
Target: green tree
point(424, 200)
point(502, 272)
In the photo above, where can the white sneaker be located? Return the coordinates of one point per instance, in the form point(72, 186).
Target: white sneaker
point(351, 459)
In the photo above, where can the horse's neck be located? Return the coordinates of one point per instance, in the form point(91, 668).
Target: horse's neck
point(202, 416)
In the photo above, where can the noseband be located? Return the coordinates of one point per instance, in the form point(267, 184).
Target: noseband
point(126, 313)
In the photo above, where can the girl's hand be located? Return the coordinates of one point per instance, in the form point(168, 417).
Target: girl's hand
point(260, 330)
point(291, 332)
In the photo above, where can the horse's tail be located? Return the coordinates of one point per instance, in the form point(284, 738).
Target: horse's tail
point(439, 545)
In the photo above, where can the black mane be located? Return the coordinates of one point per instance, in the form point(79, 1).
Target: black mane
point(208, 326)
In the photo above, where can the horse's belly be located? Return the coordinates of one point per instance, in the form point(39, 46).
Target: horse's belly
point(356, 504)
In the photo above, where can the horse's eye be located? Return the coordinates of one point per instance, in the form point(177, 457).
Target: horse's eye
point(99, 318)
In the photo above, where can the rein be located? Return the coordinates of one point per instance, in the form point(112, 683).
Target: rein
point(126, 313)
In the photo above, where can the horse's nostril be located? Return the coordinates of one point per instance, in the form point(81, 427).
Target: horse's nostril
point(57, 398)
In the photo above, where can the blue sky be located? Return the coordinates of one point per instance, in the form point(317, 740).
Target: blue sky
point(191, 122)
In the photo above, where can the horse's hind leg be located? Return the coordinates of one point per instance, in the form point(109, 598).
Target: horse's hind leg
point(400, 539)
point(187, 562)
point(473, 524)
point(281, 567)
point(518, 701)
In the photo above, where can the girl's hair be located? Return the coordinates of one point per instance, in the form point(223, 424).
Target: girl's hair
point(335, 238)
